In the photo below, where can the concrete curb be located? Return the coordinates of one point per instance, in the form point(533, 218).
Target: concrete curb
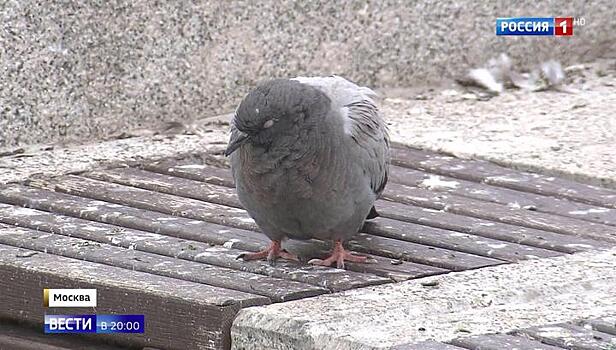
point(494, 299)
point(87, 157)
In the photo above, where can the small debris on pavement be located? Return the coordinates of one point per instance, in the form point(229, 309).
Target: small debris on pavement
point(449, 92)
point(399, 277)
point(469, 96)
point(12, 152)
point(556, 148)
point(25, 254)
point(575, 68)
point(462, 330)
point(432, 283)
point(396, 262)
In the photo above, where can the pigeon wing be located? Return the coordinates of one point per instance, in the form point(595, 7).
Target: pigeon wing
point(362, 124)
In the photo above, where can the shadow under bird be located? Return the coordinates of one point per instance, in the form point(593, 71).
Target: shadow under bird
point(309, 156)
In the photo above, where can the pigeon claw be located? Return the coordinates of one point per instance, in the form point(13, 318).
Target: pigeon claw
point(271, 254)
point(339, 255)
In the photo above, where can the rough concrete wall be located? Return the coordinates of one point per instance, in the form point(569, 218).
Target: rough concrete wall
point(73, 71)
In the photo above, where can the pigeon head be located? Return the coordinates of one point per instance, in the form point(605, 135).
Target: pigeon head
point(275, 109)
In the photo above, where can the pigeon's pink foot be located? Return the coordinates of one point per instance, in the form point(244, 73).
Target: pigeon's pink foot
point(271, 253)
point(339, 256)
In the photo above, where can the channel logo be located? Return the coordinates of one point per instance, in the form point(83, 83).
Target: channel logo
point(538, 26)
point(70, 324)
point(100, 324)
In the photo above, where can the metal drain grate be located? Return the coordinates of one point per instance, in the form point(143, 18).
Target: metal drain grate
point(179, 221)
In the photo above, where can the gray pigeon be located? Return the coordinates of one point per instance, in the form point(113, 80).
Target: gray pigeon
point(309, 157)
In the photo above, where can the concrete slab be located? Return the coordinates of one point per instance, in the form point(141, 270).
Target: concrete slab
point(487, 300)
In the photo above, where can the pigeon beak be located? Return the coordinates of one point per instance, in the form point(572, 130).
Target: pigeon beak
point(235, 143)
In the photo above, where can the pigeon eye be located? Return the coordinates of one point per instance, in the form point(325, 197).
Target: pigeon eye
point(268, 124)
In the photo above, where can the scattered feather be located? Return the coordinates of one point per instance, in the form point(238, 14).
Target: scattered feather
point(553, 73)
point(484, 78)
point(499, 74)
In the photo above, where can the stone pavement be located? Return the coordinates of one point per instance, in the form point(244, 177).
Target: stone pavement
point(570, 134)
point(441, 308)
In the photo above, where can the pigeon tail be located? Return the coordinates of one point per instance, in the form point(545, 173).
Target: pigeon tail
point(373, 214)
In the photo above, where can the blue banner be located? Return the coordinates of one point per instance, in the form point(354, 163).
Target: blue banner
point(525, 26)
point(103, 324)
point(120, 323)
